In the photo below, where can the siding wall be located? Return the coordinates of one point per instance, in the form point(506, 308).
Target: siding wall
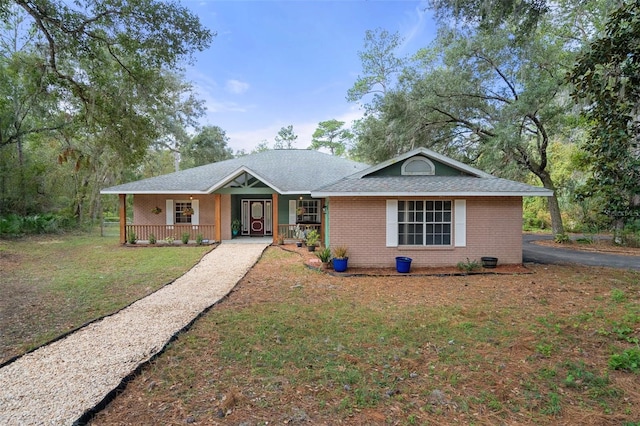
point(225, 212)
point(494, 228)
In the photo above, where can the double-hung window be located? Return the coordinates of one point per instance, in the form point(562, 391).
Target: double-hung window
point(183, 212)
point(424, 223)
point(308, 211)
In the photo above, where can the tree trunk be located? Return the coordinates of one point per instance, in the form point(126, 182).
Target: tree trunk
point(557, 226)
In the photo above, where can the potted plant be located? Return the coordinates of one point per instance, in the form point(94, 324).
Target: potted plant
point(188, 211)
point(156, 210)
point(312, 239)
point(340, 259)
point(325, 256)
point(235, 227)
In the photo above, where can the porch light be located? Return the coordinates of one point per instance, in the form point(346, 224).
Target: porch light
point(191, 197)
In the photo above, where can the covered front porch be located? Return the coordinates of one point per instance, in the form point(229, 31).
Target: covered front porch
point(259, 211)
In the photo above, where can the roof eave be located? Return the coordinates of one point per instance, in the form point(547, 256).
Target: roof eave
point(326, 194)
point(154, 192)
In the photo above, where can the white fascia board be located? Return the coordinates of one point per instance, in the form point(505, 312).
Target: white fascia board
point(231, 176)
point(432, 194)
point(305, 192)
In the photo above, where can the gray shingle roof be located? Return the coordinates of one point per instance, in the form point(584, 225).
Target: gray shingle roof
point(428, 185)
point(323, 175)
point(287, 171)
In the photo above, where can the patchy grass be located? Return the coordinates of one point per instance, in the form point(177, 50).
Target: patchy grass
point(293, 345)
point(51, 285)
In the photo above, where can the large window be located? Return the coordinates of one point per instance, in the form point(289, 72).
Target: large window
point(424, 223)
point(308, 211)
point(184, 212)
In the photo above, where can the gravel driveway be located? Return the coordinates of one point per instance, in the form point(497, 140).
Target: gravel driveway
point(60, 382)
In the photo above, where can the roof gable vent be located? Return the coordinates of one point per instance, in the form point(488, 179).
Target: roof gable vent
point(418, 166)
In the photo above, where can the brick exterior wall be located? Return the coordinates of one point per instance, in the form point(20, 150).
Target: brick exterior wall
point(493, 226)
point(144, 203)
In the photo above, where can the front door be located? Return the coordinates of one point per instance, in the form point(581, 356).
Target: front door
point(256, 225)
point(257, 217)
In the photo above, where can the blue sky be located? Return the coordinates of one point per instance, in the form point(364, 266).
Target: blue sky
point(279, 63)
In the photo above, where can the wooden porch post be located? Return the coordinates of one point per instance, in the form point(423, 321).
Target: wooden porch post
point(123, 218)
point(217, 200)
point(276, 222)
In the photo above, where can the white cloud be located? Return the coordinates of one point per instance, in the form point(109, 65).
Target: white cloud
point(236, 87)
point(414, 28)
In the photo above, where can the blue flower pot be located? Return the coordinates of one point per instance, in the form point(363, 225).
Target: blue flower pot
point(403, 264)
point(340, 265)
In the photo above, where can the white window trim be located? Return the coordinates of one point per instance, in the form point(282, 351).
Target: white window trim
point(459, 224)
point(171, 212)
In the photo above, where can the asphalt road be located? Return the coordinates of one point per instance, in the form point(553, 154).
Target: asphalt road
point(534, 253)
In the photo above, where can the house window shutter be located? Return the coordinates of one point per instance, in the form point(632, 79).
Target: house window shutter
point(460, 224)
point(392, 223)
point(195, 218)
point(292, 212)
point(169, 211)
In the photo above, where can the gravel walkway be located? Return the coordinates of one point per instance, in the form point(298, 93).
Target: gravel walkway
point(58, 383)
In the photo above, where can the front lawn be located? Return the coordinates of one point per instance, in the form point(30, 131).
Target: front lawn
point(52, 284)
point(292, 346)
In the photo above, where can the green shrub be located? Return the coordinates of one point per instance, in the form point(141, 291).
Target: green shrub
point(14, 225)
point(469, 265)
point(132, 238)
point(185, 238)
point(562, 239)
point(152, 239)
point(199, 239)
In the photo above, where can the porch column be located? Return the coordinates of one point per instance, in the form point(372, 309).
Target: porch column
point(217, 202)
point(274, 217)
point(123, 218)
point(323, 221)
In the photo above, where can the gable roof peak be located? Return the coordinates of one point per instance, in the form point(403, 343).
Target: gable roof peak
point(432, 155)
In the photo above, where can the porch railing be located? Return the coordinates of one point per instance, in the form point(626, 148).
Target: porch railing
point(291, 232)
point(161, 232)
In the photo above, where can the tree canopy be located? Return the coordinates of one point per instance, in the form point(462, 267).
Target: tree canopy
point(330, 134)
point(607, 82)
point(208, 146)
point(102, 62)
point(286, 138)
point(86, 88)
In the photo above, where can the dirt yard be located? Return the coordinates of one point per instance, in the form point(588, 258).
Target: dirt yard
point(516, 345)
